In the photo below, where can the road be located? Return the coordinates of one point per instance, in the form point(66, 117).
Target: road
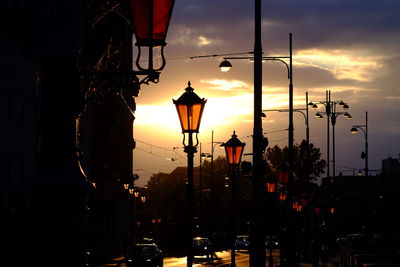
point(222, 259)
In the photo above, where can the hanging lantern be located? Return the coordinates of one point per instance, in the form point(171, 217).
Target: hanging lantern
point(150, 19)
point(282, 196)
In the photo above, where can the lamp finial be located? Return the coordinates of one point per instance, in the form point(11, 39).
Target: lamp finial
point(189, 88)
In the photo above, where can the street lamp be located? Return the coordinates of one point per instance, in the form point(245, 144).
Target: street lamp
point(190, 109)
point(257, 251)
point(234, 150)
point(150, 20)
point(271, 185)
point(364, 128)
point(332, 114)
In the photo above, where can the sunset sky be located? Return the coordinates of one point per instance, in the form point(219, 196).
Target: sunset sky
point(350, 47)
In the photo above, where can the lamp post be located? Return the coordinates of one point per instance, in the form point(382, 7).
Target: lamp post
point(331, 114)
point(271, 184)
point(190, 109)
point(234, 150)
point(364, 128)
point(283, 173)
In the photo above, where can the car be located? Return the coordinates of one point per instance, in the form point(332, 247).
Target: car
point(144, 254)
point(202, 246)
point(271, 241)
point(242, 242)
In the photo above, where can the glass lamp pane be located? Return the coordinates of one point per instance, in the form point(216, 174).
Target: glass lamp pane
point(183, 116)
point(229, 154)
point(238, 154)
point(195, 113)
point(151, 19)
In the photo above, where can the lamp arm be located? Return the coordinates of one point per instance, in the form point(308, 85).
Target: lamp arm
point(361, 127)
point(280, 60)
point(302, 113)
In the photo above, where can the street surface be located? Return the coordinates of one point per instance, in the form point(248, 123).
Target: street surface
point(222, 259)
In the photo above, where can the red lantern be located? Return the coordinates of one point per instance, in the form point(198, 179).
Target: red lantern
point(271, 187)
point(299, 207)
point(317, 210)
point(295, 205)
point(282, 196)
point(150, 19)
point(332, 210)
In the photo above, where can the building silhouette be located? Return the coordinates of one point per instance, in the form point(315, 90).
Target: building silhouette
point(54, 55)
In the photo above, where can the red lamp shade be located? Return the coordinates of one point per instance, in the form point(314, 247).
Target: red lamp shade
point(151, 20)
point(283, 174)
point(282, 196)
point(190, 109)
point(332, 210)
point(317, 210)
point(295, 205)
point(234, 150)
point(271, 187)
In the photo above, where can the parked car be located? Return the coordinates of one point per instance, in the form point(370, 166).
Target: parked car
point(271, 241)
point(242, 242)
point(202, 246)
point(144, 254)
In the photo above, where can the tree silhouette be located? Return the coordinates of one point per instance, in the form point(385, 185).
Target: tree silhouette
point(308, 165)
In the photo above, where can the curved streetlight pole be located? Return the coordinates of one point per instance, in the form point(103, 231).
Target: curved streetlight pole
point(364, 128)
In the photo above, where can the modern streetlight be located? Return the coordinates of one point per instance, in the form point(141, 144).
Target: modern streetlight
point(225, 66)
point(364, 128)
point(257, 252)
point(234, 151)
point(257, 248)
point(332, 114)
point(190, 109)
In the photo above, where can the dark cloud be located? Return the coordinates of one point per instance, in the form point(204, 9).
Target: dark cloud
point(361, 28)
